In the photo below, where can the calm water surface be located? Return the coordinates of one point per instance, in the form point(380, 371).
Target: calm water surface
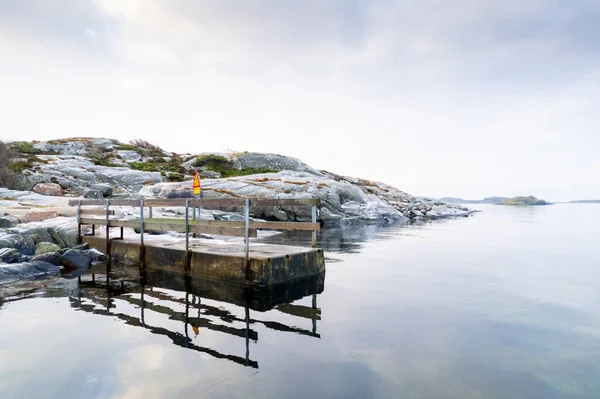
point(502, 305)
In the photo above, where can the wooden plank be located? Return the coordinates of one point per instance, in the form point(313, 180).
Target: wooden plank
point(264, 202)
point(305, 226)
point(97, 212)
point(173, 225)
point(180, 227)
point(207, 203)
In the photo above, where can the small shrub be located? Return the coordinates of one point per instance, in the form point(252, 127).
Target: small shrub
point(102, 160)
point(144, 166)
point(129, 147)
point(7, 176)
point(24, 147)
point(19, 166)
point(211, 159)
point(175, 177)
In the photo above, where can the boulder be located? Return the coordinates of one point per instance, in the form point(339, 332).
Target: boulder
point(51, 189)
point(95, 194)
point(129, 155)
point(39, 216)
point(105, 189)
point(51, 257)
point(209, 174)
point(8, 221)
point(9, 255)
point(46, 247)
point(75, 259)
point(22, 243)
point(103, 143)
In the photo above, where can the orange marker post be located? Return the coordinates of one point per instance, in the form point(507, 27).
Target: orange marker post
point(196, 185)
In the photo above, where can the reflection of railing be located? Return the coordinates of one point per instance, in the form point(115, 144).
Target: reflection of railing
point(246, 228)
point(99, 298)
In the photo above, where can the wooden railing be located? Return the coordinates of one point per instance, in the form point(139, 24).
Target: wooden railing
point(246, 228)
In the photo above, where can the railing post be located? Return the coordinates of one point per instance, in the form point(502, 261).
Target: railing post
point(187, 226)
point(246, 236)
point(314, 220)
point(150, 212)
point(79, 222)
point(142, 222)
point(142, 252)
point(107, 231)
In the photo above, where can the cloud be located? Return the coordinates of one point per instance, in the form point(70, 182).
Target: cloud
point(468, 97)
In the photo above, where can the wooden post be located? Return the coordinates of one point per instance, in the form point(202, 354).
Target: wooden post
point(314, 220)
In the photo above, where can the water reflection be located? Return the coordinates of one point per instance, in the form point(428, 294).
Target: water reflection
point(347, 240)
point(163, 293)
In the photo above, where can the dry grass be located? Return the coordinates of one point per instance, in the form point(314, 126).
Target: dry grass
point(145, 145)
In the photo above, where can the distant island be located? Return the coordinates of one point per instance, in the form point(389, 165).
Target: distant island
point(585, 202)
point(486, 200)
point(524, 201)
point(518, 201)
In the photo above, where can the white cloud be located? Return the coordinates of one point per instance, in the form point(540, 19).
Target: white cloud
point(473, 99)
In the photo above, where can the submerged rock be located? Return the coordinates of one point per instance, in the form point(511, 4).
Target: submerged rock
point(51, 257)
point(75, 259)
point(27, 270)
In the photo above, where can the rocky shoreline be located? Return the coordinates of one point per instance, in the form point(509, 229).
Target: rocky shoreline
point(104, 168)
point(37, 230)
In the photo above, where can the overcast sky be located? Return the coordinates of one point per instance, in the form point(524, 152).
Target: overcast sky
point(466, 98)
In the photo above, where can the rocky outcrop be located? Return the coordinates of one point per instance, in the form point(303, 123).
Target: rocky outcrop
point(343, 200)
point(102, 168)
point(255, 160)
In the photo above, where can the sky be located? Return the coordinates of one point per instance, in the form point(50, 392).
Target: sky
point(466, 98)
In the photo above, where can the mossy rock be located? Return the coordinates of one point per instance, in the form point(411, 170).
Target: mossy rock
point(46, 247)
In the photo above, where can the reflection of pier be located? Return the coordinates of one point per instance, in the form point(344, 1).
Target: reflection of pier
point(104, 299)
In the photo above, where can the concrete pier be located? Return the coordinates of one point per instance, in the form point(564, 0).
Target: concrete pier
point(267, 264)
